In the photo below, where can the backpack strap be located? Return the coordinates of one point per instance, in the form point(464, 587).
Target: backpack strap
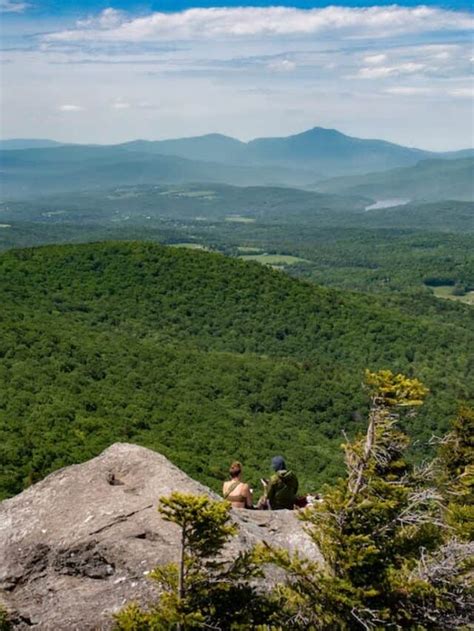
point(231, 488)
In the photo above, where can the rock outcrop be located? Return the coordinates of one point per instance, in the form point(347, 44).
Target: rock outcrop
point(77, 546)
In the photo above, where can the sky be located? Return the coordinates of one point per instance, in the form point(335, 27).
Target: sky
point(112, 71)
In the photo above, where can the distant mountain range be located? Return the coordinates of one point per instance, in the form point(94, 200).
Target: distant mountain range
point(28, 143)
point(322, 150)
point(302, 160)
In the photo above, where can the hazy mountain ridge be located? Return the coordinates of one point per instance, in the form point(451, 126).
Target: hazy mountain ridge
point(428, 180)
point(207, 148)
point(299, 160)
point(28, 143)
point(76, 167)
point(324, 150)
point(330, 150)
point(317, 142)
point(302, 160)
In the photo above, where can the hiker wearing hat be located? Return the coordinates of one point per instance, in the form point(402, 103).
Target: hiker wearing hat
point(283, 485)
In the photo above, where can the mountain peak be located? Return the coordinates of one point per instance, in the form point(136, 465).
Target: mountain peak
point(322, 131)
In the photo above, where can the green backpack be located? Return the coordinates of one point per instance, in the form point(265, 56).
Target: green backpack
point(282, 490)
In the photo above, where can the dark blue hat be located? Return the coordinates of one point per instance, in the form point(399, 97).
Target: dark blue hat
point(278, 463)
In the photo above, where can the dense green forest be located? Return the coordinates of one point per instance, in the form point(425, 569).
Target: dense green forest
point(204, 358)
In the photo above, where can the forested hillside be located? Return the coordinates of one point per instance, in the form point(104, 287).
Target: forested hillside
point(428, 180)
point(29, 172)
point(202, 357)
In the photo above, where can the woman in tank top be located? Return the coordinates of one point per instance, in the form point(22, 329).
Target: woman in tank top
point(235, 491)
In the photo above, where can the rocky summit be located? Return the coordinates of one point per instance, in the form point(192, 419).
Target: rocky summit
point(78, 545)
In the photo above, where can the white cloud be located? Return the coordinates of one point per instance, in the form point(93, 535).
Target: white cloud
point(443, 55)
point(253, 22)
point(68, 107)
point(108, 19)
point(10, 6)
point(244, 72)
point(121, 105)
point(375, 73)
point(146, 105)
point(409, 91)
point(281, 65)
point(460, 92)
point(375, 59)
point(464, 93)
point(380, 72)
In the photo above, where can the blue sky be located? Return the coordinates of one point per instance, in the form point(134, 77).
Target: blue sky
point(111, 71)
point(74, 6)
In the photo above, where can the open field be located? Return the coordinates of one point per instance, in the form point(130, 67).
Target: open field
point(239, 219)
point(445, 291)
point(190, 193)
point(248, 249)
point(273, 259)
point(190, 246)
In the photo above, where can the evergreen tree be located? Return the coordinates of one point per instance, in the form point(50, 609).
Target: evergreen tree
point(456, 457)
point(380, 531)
point(202, 590)
point(5, 624)
point(390, 558)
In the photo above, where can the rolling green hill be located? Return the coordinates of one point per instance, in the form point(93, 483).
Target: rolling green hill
point(32, 172)
point(326, 238)
point(202, 357)
point(428, 180)
point(207, 202)
point(441, 216)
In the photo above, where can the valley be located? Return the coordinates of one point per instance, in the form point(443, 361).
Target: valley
point(327, 238)
point(174, 315)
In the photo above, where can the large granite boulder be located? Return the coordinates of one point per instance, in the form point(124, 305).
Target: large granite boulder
point(78, 545)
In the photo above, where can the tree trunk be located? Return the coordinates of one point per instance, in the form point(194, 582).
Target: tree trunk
point(181, 572)
point(369, 443)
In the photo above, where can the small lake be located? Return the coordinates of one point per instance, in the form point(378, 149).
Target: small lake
point(388, 203)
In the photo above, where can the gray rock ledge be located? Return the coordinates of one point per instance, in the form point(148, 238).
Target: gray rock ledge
point(75, 547)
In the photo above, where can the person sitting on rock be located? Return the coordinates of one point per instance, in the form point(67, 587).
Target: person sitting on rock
point(282, 488)
point(235, 491)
